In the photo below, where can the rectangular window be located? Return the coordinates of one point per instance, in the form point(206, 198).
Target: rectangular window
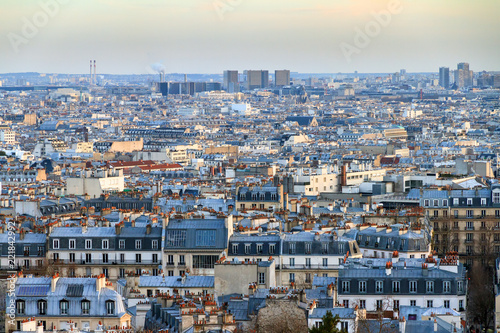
point(272, 248)
point(426, 203)
point(205, 238)
point(496, 197)
point(308, 248)
point(138, 244)
point(71, 257)
point(469, 201)
point(324, 247)
point(325, 262)
point(138, 258)
point(395, 286)
point(247, 248)
point(41, 251)
point(291, 248)
point(122, 272)
point(88, 257)
point(292, 277)
point(154, 244)
point(176, 238)
point(308, 262)
point(446, 286)
point(292, 262)
point(379, 286)
point(259, 249)
point(413, 286)
point(461, 305)
point(63, 306)
point(346, 303)
point(460, 286)
point(122, 257)
point(262, 278)
point(380, 304)
point(105, 244)
point(235, 248)
point(446, 304)
point(182, 260)
point(470, 213)
point(483, 201)
point(72, 244)
point(413, 302)
point(395, 304)
point(362, 304)
point(455, 202)
point(121, 244)
point(205, 261)
point(55, 244)
point(345, 286)
point(88, 244)
point(362, 286)
point(429, 303)
point(429, 286)
point(155, 258)
point(104, 258)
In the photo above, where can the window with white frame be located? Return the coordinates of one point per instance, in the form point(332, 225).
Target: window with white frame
point(395, 286)
point(259, 249)
point(247, 248)
point(262, 278)
point(121, 243)
point(379, 286)
point(483, 201)
point(346, 286)
point(235, 248)
point(154, 244)
point(88, 244)
point(55, 244)
point(429, 286)
point(446, 304)
point(429, 303)
point(138, 244)
point(455, 201)
point(362, 286)
point(272, 248)
point(436, 203)
point(426, 202)
point(72, 244)
point(445, 202)
point(446, 286)
point(105, 244)
point(469, 201)
point(496, 197)
point(413, 286)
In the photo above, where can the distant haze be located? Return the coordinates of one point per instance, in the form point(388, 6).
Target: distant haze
point(209, 36)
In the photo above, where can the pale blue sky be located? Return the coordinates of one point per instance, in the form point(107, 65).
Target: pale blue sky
point(208, 36)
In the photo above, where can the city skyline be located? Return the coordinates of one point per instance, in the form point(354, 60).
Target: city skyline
point(210, 37)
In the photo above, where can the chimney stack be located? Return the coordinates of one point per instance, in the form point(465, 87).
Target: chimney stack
point(95, 73)
point(90, 79)
point(148, 229)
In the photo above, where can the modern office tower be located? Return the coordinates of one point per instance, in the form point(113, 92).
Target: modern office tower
point(402, 75)
point(463, 75)
point(231, 82)
point(281, 78)
point(257, 79)
point(444, 77)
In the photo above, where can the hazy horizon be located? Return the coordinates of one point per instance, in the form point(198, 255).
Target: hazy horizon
point(209, 36)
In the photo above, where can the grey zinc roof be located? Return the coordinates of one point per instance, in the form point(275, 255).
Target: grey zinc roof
point(196, 224)
point(28, 238)
point(341, 312)
point(192, 281)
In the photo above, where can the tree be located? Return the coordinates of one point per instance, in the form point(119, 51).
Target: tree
point(481, 298)
point(329, 324)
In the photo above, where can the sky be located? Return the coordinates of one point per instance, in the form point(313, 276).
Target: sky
point(209, 36)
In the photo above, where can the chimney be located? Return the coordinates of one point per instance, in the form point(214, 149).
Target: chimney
point(329, 290)
point(402, 325)
point(39, 328)
point(251, 288)
point(435, 325)
point(95, 73)
point(53, 283)
point(388, 268)
point(100, 282)
point(21, 234)
point(118, 228)
point(148, 229)
point(90, 80)
point(133, 223)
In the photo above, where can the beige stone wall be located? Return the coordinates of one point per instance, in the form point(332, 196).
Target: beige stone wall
point(281, 316)
point(126, 146)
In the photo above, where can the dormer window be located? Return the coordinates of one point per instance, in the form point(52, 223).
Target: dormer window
point(63, 307)
point(85, 307)
point(42, 307)
point(469, 201)
point(110, 307)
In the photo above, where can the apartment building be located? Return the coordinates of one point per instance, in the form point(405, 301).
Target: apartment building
point(194, 245)
point(63, 303)
point(113, 251)
point(465, 221)
point(382, 285)
point(261, 198)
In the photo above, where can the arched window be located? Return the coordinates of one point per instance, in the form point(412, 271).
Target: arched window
point(85, 307)
point(110, 307)
point(42, 307)
point(63, 307)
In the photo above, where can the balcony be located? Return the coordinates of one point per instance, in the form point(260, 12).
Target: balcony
point(103, 262)
point(306, 267)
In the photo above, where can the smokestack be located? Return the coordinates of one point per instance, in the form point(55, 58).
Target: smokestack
point(95, 73)
point(185, 78)
point(90, 79)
